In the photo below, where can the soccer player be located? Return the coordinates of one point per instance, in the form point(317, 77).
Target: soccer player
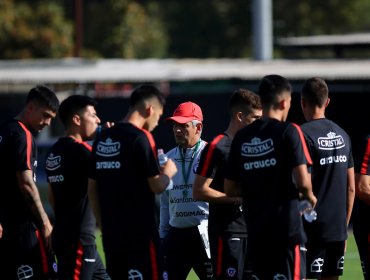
point(25, 241)
point(267, 166)
point(124, 178)
point(183, 220)
point(332, 182)
point(67, 166)
point(227, 228)
point(361, 224)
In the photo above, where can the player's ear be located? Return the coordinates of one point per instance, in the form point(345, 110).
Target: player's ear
point(239, 116)
point(327, 102)
point(76, 120)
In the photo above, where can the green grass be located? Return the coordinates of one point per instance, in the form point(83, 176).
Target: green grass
point(352, 267)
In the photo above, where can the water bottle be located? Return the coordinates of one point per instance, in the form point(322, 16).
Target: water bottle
point(307, 210)
point(162, 157)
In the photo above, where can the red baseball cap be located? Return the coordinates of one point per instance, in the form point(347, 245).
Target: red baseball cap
point(186, 112)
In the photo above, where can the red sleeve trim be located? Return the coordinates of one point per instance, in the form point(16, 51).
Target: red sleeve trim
point(209, 154)
point(85, 144)
point(305, 149)
point(151, 141)
point(29, 144)
point(365, 161)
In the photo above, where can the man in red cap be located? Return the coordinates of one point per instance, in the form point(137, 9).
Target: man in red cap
point(183, 220)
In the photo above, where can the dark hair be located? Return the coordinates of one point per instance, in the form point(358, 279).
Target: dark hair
point(244, 100)
point(270, 87)
point(145, 92)
point(315, 91)
point(43, 96)
point(73, 105)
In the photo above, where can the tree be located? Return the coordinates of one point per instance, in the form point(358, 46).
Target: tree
point(33, 30)
point(125, 29)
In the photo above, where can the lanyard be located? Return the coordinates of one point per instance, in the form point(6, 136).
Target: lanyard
point(186, 173)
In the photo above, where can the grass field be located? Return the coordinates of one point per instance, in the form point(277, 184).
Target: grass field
point(352, 267)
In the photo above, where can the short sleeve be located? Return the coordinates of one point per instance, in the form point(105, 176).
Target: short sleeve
point(209, 159)
point(233, 163)
point(145, 149)
point(362, 158)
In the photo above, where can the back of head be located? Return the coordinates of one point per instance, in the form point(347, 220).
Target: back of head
point(243, 100)
point(43, 96)
point(315, 92)
point(271, 87)
point(144, 93)
point(73, 105)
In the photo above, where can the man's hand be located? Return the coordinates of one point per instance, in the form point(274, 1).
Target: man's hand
point(1, 231)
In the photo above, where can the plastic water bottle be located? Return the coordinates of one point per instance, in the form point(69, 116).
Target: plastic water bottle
point(307, 210)
point(162, 157)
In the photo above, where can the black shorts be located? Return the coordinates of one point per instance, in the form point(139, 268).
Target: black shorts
point(23, 254)
point(274, 261)
point(361, 231)
point(229, 255)
point(80, 262)
point(325, 259)
point(138, 260)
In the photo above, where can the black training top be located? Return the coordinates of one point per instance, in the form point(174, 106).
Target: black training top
point(124, 157)
point(222, 217)
point(262, 158)
point(331, 152)
point(67, 166)
point(18, 153)
point(362, 166)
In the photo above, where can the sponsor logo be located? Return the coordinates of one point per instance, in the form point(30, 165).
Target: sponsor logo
point(340, 263)
point(108, 148)
point(190, 213)
point(182, 187)
point(24, 272)
point(231, 271)
point(55, 267)
point(331, 142)
point(260, 164)
point(53, 162)
point(317, 264)
point(56, 178)
point(280, 277)
point(89, 260)
point(165, 275)
point(257, 147)
point(182, 200)
point(108, 165)
point(134, 274)
point(332, 159)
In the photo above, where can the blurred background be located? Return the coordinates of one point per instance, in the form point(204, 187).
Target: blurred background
point(194, 50)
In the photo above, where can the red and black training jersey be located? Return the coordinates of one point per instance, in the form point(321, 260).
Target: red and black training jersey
point(67, 167)
point(212, 164)
point(124, 157)
point(331, 152)
point(362, 166)
point(262, 158)
point(18, 153)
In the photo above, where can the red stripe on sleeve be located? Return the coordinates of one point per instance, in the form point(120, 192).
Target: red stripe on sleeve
point(209, 154)
point(151, 141)
point(153, 259)
point(365, 161)
point(305, 149)
point(29, 144)
point(297, 263)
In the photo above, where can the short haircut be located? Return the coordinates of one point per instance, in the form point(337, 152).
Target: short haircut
point(243, 100)
point(315, 92)
point(270, 87)
point(73, 105)
point(145, 92)
point(43, 96)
